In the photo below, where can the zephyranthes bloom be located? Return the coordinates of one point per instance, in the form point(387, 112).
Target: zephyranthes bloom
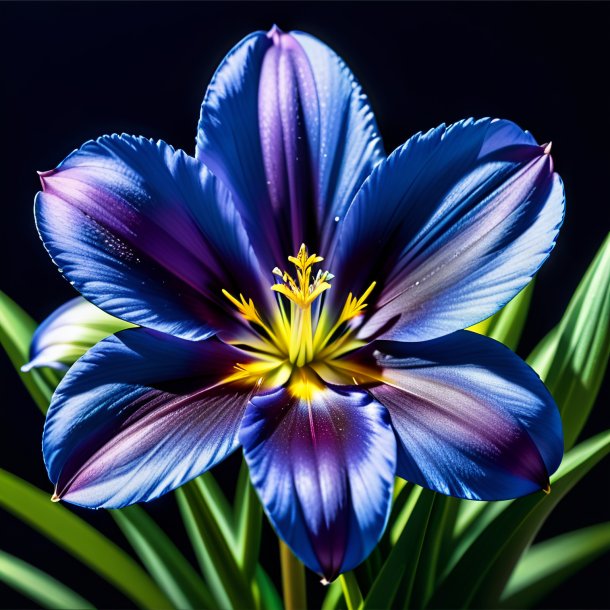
point(302, 296)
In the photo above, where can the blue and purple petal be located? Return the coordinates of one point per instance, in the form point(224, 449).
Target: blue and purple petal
point(147, 234)
point(472, 420)
point(324, 470)
point(451, 226)
point(286, 126)
point(140, 414)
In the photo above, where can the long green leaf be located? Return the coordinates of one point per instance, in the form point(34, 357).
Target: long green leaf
point(507, 325)
point(38, 585)
point(503, 533)
point(553, 561)
point(351, 591)
point(248, 516)
point(334, 600)
point(84, 542)
point(162, 559)
point(576, 355)
point(213, 549)
point(267, 595)
point(436, 548)
point(16, 330)
point(400, 567)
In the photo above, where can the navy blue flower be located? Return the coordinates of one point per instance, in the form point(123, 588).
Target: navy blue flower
point(331, 384)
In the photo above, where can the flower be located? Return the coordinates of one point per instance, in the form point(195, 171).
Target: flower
point(331, 384)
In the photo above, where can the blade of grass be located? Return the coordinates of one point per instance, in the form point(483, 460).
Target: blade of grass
point(213, 549)
point(267, 595)
point(401, 565)
point(351, 591)
point(486, 560)
point(16, 330)
point(248, 516)
point(549, 563)
point(37, 585)
point(334, 600)
point(576, 357)
point(162, 559)
point(84, 542)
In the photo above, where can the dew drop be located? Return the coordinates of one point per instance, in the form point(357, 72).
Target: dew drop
point(337, 219)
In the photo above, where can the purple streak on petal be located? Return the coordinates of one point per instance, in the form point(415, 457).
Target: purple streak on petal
point(287, 114)
point(140, 414)
point(460, 219)
point(270, 91)
point(148, 235)
point(472, 419)
point(348, 146)
point(324, 472)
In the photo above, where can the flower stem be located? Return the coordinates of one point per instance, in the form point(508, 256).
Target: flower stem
point(293, 580)
point(351, 591)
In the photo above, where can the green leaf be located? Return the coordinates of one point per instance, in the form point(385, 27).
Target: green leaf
point(172, 572)
point(248, 516)
point(487, 555)
point(400, 567)
point(212, 542)
point(575, 356)
point(553, 561)
point(507, 325)
point(351, 591)
point(334, 600)
point(16, 330)
point(267, 595)
point(38, 585)
point(436, 548)
point(84, 542)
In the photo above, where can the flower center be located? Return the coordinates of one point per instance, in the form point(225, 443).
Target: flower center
point(302, 332)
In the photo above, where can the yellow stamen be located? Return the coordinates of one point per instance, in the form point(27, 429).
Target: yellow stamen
point(248, 311)
point(300, 334)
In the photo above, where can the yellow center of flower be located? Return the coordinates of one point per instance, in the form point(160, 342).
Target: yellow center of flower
point(301, 336)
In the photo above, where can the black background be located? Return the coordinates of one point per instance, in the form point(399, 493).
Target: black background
point(73, 71)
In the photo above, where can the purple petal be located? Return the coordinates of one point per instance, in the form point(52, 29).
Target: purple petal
point(471, 418)
point(459, 219)
point(140, 414)
point(148, 235)
point(285, 124)
point(324, 471)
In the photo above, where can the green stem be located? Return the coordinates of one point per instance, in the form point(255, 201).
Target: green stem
point(293, 580)
point(351, 591)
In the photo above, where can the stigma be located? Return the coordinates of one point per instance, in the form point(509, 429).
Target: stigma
point(303, 292)
point(302, 332)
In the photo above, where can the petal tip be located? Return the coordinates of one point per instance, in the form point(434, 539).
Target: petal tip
point(547, 148)
point(274, 33)
point(44, 176)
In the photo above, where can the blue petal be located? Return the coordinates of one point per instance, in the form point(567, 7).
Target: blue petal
point(140, 414)
point(286, 125)
point(72, 329)
point(459, 219)
point(324, 471)
point(471, 418)
point(147, 234)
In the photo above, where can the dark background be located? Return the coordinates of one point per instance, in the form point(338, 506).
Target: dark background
point(73, 71)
